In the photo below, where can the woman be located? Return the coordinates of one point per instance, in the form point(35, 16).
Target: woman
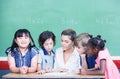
point(67, 57)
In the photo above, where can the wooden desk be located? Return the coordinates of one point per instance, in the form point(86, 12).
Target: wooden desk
point(63, 75)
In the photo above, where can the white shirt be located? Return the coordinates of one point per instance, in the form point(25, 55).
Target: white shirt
point(72, 63)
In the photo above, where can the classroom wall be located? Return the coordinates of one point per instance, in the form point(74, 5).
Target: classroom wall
point(92, 16)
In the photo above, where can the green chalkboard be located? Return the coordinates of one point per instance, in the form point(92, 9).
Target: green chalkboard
point(92, 16)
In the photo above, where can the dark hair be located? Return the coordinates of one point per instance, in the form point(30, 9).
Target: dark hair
point(44, 36)
point(70, 33)
point(97, 42)
point(19, 33)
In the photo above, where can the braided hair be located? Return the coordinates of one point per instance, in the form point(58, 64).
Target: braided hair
point(97, 42)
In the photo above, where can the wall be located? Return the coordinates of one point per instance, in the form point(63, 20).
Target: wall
point(92, 16)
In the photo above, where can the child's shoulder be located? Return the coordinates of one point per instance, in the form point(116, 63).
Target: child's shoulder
point(41, 51)
point(8, 50)
point(35, 50)
point(104, 52)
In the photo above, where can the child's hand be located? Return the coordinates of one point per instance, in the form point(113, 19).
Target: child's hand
point(48, 69)
point(77, 71)
point(83, 71)
point(23, 69)
point(41, 72)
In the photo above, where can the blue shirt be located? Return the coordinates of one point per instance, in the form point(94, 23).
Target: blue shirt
point(23, 60)
point(90, 61)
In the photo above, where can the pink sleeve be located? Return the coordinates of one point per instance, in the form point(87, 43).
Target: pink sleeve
point(103, 54)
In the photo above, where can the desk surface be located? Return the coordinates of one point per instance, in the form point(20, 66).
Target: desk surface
point(50, 75)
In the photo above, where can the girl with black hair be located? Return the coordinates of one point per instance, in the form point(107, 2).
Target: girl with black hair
point(22, 55)
point(95, 47)
point(46, 56)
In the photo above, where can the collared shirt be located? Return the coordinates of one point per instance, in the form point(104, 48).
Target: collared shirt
point(46, 59)
point(72, 63)
point(23, 60)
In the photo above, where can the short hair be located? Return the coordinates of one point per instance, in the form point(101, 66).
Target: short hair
point(97, 42)
point(70, 33)
point(82, 39)
point(44, 36)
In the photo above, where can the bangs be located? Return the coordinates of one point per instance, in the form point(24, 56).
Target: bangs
point(20, 34)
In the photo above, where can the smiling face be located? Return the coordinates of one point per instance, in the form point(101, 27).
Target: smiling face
point(48, 44)
point(23, 42)
point(66, 42)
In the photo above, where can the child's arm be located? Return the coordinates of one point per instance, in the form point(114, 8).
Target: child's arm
point(39, 70)
point(95, 68)
point(12, 65)
point(34, 61)
point(38, 66)
point(84, 63)
point(101, 70)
